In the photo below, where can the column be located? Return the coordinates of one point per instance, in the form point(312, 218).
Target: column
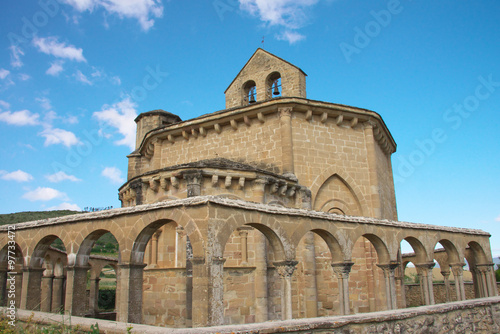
point(342, 270)
point(446, 276)
point(57, 293)
point(457, 269)
point(371, 144)
point(200, 292)
point(285, 115)
point(193, 180)
point(180, 246)
point(425, 272)
point(216, 292)
point(261, 302)
point(285, 270)
point(154, 250)
point(243, 232)
point(46, 303)
point(390, 284)
point(94, 296)
point(30, 294)
point(486, 279)
point(76, 290)
point(129, 308)
point(3, 288)
point(311, 289)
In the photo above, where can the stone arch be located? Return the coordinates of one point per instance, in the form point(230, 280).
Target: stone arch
point(421, 255)
point(39, 251)
point(380, 247)
point(337, 206)
point(84, 249)
point(337, 172)
point(18, 255)
point(271, 87)
point(142, 239)
point(478, 253)
point(249, 92)
point(451, 251)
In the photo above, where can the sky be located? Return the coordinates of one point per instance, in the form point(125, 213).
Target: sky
point(74, 74)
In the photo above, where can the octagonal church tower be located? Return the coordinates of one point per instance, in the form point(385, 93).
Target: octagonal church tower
point(271, 145)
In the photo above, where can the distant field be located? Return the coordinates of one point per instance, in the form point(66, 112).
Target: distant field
point(21, 217)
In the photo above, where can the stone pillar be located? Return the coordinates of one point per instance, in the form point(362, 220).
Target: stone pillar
point(261, 302)
point(46, 303)
point(193, 180)
point(180, 246)
point(129, 308)
point(200, 292)
point(30, 294)
point(342, 270)
point(3, 288)
point(57, 293)
point(457, 269)
point(285, 115)
point(373, 174)
point(94, 296)
point(486, 279)
point(216, 292)
point(76, 290)
point(154, 250)
point(425, 272)
point(390, 284)
point(446, 276)
point(243, 232)
point(285, 270)
point(309, 264)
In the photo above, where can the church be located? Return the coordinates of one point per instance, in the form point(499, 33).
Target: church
point(276, 207)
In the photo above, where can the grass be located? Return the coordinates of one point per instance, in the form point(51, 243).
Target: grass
point(21, 217)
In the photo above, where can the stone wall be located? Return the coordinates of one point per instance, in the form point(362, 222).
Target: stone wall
point(472, 316)
point(414, 296)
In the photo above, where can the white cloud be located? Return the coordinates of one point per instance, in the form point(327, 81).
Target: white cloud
point(142, 10)
point(55, 68)
point(70, 120)
point(51, 46)
point(65, 206)
point(121, 116)
point(4, 73)
point(116, 80)
point(44, 103)
point(20, 118)
point(18, 176)
point(59, 136)
point(290, 36)
point(114, 174)
point(290, 14)
point(44, 194)
point(497, 219)
point(61, 176)
point(82, 78)
point(24, 76)
point(15, 56)
point(4, 105)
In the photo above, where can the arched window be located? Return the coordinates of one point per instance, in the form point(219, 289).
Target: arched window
point(249, 92)
point(273, 85)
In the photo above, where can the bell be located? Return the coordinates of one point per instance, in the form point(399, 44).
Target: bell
point(276, 90)
point(252, 99)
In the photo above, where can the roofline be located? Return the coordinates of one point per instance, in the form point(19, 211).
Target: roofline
point(269, 53)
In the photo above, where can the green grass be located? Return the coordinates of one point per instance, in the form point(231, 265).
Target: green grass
point(21, 217)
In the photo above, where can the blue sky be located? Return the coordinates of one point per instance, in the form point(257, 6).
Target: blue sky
point(75, 73)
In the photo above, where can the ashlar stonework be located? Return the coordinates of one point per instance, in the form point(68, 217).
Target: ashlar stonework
point(277, 207)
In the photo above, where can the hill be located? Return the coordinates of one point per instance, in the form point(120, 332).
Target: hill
point(20, 217)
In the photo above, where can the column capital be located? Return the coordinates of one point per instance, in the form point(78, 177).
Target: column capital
point(33, 270)
point(286, 268)
point(388, 267)
point(485, 267)
point(424, 268)
point(218, 260)
point(342, 269)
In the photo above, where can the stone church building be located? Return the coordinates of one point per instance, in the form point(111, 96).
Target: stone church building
point(276, 207)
